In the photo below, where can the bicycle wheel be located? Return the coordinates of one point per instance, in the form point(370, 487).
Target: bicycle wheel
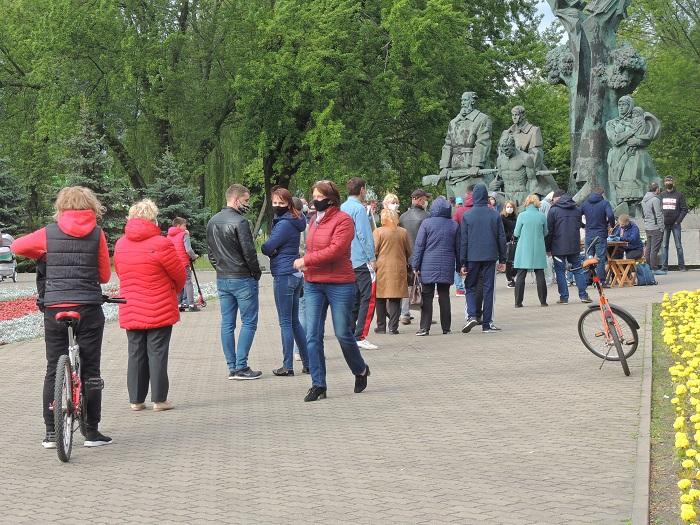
point(63, 409)
point(618, 346)
point(592, 334)
point(82, 413)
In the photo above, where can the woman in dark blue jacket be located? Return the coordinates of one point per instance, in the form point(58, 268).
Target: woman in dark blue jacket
point(283, 249)
point(435, 257)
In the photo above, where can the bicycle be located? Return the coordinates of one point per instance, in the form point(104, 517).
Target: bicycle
point(70, 401)
point(619, 327)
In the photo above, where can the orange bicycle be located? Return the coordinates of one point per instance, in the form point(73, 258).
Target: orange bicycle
point(614, 327)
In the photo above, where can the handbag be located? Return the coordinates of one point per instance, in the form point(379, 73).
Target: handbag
point(415, 293)
point(510, 250)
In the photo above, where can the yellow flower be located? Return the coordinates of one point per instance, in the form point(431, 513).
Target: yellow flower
point(687, 512)
point(691, 452)
point(684, 484)
point(688, 463)
point(686, 498)
point(679, 423)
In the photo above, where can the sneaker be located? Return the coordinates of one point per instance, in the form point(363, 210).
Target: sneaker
point(660, 272)
point(366, 345)
point(471, 323)
point(361, 381)
point(490, 328)
point(137, 406)
point(510, 284)
point(566, 301)
point(297, 357)
point(586, 300)
point(460, 293)
point(165, 405)
point(232, 374)
point(95, 439)
point(182, 307)
point(283, 371)
point(405, 320)
point(421, 333)
point(193, 308)
point(49, 440)
point(247, 373)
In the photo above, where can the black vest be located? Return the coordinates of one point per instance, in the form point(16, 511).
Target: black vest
point(71, 268)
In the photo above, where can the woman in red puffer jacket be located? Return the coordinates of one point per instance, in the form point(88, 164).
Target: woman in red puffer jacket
point(150, 277)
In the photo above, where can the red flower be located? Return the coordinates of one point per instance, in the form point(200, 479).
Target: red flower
point(17, 308)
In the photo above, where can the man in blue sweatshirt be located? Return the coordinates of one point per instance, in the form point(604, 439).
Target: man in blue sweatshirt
point(599, 218)
point(362, 256)
point(483, 243)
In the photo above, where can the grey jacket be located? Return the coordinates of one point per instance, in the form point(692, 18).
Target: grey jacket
point(651, 212)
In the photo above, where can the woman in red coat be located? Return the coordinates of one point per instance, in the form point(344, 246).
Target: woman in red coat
point(150, 276)
point(329, 281)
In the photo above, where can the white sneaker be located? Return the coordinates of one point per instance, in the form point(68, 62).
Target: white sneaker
point(365, 344)
point(297, 357)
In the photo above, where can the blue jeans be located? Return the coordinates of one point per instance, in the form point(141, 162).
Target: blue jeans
point(341, 298)
point(302, 319)
point(287, 289)
point(601, 252)
point(560, 269)
point(235, 293)
point(675, 230)
point(459, 282)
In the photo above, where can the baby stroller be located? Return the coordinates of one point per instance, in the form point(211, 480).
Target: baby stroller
point(8, 264)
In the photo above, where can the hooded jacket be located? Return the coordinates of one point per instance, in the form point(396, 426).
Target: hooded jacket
point(177, 237)
point(651, 212)
point(483, 238)
point(599, 215)
point(283, 245)
point(564, 225)
point(150, 277)
point(76, 223)
point(436, 250)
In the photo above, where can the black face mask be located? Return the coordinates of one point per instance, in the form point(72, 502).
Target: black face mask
point(244, 208)
point(280, 210)
point(322, 205)
point(669, 186)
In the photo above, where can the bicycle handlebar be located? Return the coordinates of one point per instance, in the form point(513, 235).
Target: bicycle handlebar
point(108, 299)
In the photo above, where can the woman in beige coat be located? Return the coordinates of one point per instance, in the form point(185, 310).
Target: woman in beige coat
point(393, 250)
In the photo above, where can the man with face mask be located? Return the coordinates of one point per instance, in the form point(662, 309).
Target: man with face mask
point(232, 254)
point(411, 221)
point(674, 209)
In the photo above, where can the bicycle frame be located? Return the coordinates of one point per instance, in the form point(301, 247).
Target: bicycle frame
point(74, 358)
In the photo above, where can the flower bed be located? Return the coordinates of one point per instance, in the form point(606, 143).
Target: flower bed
point(20, 319)
point(681, 316)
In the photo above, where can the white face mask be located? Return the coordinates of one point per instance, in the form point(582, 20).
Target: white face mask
point(509, 209)
point(393, 206)
point(305, 208)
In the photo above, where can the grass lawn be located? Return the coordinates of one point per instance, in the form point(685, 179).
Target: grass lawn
point(664, 508)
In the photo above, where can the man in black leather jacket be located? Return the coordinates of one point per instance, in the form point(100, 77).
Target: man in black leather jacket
point(233, 256)
point(411, 220)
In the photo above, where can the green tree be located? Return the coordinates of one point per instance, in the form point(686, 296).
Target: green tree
point(13, 198)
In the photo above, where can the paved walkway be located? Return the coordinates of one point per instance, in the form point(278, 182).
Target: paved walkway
point(515, 427)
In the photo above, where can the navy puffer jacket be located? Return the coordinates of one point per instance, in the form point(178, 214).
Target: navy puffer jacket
point(283, 245)
point(437, 245)
point(564, 225)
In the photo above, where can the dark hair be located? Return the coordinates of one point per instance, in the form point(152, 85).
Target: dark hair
point(329, 190)
point(298, 205)
point(179, 221)
point(598, 189)
point(285, 195)
point(236, 190)
point(355, 185)
point(653, 187)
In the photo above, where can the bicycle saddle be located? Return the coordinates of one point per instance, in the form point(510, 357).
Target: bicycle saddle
point(68, 316)
point(590, 262)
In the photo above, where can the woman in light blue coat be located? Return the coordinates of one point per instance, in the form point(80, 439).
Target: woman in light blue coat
point(530, 254)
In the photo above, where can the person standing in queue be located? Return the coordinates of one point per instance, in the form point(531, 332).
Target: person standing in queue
point(330, 281)
point(411, 221)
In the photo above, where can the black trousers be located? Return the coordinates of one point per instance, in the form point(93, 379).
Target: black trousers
point(510, 272)
point(520, 286)
point(363, 296)
point(148, 361)
point(89, 337)
point(390, 308)
point(426, 309)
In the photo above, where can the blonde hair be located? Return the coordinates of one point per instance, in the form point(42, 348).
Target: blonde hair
point(390, 198)
point(77, 198)
point(389, 217)
point(624, 219)
point(145, 209)
point(532, 199)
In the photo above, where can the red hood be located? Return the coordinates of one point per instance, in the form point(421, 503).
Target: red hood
point(174, 230)
point(469, 201)
point(77, 223)
point(140, 229)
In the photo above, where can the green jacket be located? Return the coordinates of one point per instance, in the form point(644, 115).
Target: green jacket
point(531, 229)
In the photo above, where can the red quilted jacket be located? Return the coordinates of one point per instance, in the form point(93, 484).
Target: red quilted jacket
point(327, 258)
point(150, 276)
point(177, 237)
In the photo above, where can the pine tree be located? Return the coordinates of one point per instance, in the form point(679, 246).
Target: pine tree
point(88, 164)
point(175, 198)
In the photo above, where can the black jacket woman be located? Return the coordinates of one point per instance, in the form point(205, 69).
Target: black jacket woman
point(509, 216)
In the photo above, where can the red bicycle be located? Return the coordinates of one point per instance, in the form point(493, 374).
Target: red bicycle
point(615, 327)
point(70, 402)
